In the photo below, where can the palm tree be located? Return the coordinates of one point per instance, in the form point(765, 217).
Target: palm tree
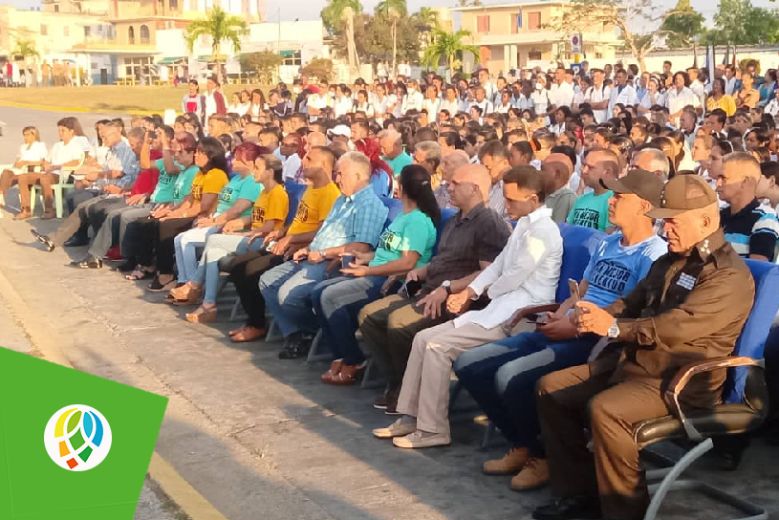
point(394, 10)
point(426, 20)
point(220, 26)
point(26, 49)
point(448, 46)
point(344, 11)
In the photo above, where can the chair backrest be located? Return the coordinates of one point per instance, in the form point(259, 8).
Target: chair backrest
point(446, 214)
point(395, 207)
point(295, 192)
point(751, 342)
point(578, 245)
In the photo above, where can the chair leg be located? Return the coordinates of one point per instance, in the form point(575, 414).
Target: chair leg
point(487, 439)
point(372, 377)
point(273, 334)
point(58, 195)
point(317, 352)
point(33, 198)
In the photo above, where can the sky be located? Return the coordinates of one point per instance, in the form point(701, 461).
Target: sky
point(308, 9)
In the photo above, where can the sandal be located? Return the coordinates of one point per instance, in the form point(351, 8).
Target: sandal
point(244, 336)
point(156, 286)
point(237, 331)
point(23, 215)
point(335, 369)
point(202, 315)
point(188, 296)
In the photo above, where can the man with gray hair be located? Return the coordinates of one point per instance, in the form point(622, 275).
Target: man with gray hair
point(652, 160)
point(449, 164)
point(352, 226)
point(391, 143)
point(428, 155)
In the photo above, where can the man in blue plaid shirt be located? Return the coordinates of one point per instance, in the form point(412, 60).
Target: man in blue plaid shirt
point(353, 225)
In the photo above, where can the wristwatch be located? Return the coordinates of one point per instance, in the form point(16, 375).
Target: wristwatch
point(447, 286)
point(613, 332)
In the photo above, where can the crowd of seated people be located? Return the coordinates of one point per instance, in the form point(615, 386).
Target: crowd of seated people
point(410, 230)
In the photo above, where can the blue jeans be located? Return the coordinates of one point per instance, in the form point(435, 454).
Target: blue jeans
point(217, 247)
point(502, 377)
point(337, 303)
point(287, 292)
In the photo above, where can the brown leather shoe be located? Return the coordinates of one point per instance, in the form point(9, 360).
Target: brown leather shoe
point(534, 475)
point(48, 214)
point(508, 464)
point(335, 368)
point(347, 375)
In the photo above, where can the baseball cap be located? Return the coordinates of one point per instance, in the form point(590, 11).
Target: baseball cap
point(341, 130)
point(683, 193)
point(645, 184)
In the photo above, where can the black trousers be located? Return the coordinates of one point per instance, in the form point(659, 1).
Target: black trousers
point(245, 271)
point(139, 243)
point(166, 249)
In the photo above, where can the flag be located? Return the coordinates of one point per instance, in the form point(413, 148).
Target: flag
point(519, 18)
point(711, 61)
point(73, 446)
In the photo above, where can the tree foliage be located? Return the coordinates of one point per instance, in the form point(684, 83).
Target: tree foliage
point(220, 27)
point(448, 48)
point(683, 25)
point(738, 22)
point(320, 68)
point(26, 49)
point(265, 63)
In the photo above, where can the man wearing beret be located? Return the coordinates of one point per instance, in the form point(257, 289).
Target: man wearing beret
point(690, 307)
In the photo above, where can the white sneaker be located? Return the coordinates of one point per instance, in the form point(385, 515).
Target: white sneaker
point(422, 439)
point(402, 426)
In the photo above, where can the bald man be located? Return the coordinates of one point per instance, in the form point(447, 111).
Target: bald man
point(556, 171)
point(469, 242)
point(751, 229)
point(392, 152)
point(450, 163)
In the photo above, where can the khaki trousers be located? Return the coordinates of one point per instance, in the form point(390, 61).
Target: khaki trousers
point(573, 398)
point(425, 390)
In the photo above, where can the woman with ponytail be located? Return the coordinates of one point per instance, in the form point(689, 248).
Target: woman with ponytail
point(405, 245)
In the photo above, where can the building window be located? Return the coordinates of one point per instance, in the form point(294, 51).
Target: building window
point(87, 31)
point(291, 58)
point(174, 4)
point(534, 55)
point(56, 9)
point(516, 23)
point(66, 31)
point(131, 35)
point(483, 23)
point(137, 67)
point(144, 34)
point(44, 30)
point(598, 55)
point(534, 21)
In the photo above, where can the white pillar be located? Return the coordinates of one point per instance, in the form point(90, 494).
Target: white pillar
point(506, 58)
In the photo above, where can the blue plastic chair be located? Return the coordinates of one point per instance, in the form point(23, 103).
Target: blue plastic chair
point(744, 407)
point(395, 207)
point(295, 192)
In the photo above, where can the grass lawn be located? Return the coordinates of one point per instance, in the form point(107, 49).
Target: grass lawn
point(103, 98)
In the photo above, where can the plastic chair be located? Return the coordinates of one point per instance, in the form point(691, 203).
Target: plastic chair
point(395, 207)
point(744, 407)
point(59, 195)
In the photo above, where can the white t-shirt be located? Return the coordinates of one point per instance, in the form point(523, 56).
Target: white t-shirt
point(596, 95)
point(75, 150)
point(451, 106)
point(540, 100)
point(561, 95)
point(33, 152)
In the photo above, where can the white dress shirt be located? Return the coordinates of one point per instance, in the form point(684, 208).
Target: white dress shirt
point(561, 95)
point(627, 96)
point(525, 273)
point(596, 95)
point(452, 106)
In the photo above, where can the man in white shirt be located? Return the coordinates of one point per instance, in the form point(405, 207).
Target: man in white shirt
point(697, 86)
point(482, 101)
point(486, 84)
point(525, 273)
point(450, 102)
point(561, 93)
point(413, 99)
point(622, 92)
point(730, 80)
point(598, 96)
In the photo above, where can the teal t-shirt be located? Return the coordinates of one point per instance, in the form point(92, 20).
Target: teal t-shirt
point(399, 162)
point(413, 231)
point(238, 188)
point(166, 184)
point(591, 211)
point(182, 187)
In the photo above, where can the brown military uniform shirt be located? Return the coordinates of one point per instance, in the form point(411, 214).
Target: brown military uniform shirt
point(466, 240)
point(687, 309)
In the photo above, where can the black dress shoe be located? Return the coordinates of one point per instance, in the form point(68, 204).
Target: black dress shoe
point(569, 508)
point(76, 241)
point(295, 348)
point(43, 239)
point(91, 263)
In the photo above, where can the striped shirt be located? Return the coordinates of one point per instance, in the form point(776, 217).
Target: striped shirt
point(356, 218)
point(752, 231)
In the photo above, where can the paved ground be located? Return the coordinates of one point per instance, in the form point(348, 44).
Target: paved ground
point(153, 504)
point(264, 438)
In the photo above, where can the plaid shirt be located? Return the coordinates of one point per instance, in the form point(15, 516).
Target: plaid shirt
point(357, 218)
point(121, 157)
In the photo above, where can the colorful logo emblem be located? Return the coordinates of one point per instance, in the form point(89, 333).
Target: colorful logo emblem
point(77, 437)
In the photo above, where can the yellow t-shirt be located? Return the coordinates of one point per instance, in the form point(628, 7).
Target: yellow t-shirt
point(271, 205)
point(726, 103)
point(210, 182)
point(313, 208)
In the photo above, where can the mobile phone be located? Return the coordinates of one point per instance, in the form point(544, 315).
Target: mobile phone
point(410, 289)
point(573, 287)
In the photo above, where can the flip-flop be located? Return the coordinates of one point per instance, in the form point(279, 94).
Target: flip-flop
point(137, 275)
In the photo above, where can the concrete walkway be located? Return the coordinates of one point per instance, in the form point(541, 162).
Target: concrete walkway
point(264, 438)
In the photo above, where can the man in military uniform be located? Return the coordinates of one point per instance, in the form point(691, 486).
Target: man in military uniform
point(690, 307)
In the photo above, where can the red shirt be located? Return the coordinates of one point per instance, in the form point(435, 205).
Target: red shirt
point(147, 179)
